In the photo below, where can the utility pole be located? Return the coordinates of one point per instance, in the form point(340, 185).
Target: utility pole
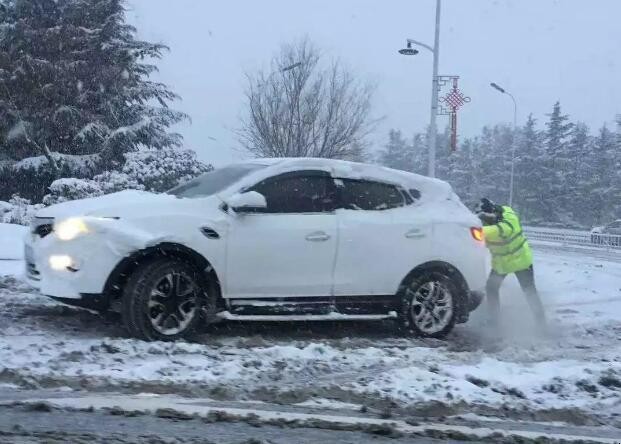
point(434, 96)
point(514, 141)
point(435, 50)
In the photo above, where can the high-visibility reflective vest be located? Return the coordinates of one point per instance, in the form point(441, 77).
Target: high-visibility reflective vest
point(509, 248)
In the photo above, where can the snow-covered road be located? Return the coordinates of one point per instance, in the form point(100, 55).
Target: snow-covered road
point(573, 375)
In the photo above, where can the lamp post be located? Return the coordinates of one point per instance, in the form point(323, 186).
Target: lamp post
point(435, 50)
point(290, 67)
point(511, 177)
point(278, 71)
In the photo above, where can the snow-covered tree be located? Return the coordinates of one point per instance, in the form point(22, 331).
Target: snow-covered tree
point(494, 165)
point(558, 131)
point(420, 154)
point(74, 80)
point(576, 173)
point(529, 172)
point(461, 177)
point(397, 153)
point(557, 134)
point(564, 176)
point(603, 186)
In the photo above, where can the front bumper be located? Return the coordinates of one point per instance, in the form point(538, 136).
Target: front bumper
point(93, 257)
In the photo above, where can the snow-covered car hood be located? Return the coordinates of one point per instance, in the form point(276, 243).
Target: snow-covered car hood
point(129, 203)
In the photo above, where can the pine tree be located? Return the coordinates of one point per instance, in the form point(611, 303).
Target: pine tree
point(564, 176)
point(616, 180)
point(462, 173)
point(555, 162)
point(75, 80)
point(602, 188)
point(420, 154)
point(443, 153)
point(529, 172)
point(494, 167)
point(396, 154)
point(558, 130)
point(576, 176)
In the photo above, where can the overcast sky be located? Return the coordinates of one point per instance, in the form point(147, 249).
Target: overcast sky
point(540, 50)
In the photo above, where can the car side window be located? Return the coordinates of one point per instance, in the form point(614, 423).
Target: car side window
point(369, 195)
point(299, 192)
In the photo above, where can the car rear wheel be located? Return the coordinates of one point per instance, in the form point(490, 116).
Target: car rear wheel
point(165, 300)
point(429, 305)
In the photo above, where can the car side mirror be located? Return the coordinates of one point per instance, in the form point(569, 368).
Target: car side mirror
point(247, 202)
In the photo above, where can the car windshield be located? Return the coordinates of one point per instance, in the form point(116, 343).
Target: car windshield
point(214, 181)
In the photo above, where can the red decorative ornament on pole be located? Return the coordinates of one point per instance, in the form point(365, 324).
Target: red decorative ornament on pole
point(450, 104)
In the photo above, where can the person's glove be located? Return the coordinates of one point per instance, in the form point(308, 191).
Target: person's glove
point(487, 218)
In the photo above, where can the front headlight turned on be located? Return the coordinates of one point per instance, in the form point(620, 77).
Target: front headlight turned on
point(61, 262)
point(69, 229)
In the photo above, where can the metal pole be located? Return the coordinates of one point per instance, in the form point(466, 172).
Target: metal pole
point(514, 143)
point(434, 96)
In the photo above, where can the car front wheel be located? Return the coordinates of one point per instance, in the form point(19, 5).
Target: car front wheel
point(164, 300)
point(429, 305)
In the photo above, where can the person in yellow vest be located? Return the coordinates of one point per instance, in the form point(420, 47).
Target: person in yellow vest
point(510, 254)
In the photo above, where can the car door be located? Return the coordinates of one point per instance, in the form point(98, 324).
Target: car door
point(289, 248)
point(381, 238)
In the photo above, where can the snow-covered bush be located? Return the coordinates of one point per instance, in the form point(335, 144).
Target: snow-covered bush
point(113, 181)
point(5, 207)
point(153, 170)
point(18, 211)
point(32, 176)
point(160, 170)
point(63, 190)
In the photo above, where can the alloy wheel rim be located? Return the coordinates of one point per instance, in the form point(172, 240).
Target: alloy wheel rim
point(431, 307)
point(173, 303)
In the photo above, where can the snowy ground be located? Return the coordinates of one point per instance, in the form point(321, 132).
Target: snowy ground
point(572, 376)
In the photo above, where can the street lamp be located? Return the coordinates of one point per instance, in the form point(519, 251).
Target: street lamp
point(435, 50)
point(263, 83)
point(290, 67)
point(511, 179)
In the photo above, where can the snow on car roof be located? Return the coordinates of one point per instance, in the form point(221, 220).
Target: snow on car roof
point(355, 170)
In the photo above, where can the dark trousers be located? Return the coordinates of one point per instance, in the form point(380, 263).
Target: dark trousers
point(526, 278)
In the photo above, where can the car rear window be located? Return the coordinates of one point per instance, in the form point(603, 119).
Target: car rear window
point(369, 195)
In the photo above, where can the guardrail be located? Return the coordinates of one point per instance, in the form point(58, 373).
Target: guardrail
point(584, 239)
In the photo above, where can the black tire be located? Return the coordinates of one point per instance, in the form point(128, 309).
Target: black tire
point(144, 285)
point(414, 301)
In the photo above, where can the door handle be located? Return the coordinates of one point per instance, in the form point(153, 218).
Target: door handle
point(318, 236)
point(415, 233)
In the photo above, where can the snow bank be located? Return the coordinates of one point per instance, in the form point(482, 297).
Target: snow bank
point(12, 241)
point(578, 367)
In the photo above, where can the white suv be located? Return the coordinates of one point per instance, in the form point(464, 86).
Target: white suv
point(269, 239)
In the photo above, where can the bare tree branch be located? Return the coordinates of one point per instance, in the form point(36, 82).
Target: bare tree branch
point(307, 111)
